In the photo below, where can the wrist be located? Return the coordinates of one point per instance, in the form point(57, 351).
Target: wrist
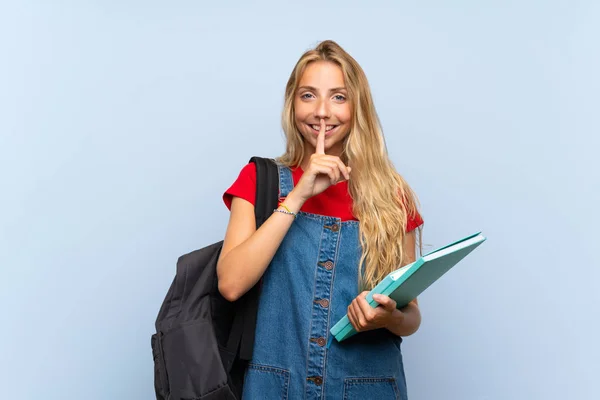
point(406, 321)
point(397, 318)
point(294, 202)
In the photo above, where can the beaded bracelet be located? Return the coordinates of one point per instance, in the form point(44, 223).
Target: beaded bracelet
point(284, 206)
point(286, 211)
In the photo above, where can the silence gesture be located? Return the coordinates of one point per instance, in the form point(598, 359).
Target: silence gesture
point(323, 170)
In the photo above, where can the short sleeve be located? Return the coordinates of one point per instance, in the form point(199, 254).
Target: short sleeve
point(243, 187)
point(414, 221)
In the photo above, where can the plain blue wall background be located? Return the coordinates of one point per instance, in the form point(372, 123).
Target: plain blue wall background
point(122, 122)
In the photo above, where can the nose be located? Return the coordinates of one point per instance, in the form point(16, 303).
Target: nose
point(322, 109)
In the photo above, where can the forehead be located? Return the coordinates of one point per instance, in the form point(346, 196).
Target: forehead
point(323, 75)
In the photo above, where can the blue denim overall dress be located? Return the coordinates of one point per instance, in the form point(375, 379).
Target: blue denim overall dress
point(307, 288)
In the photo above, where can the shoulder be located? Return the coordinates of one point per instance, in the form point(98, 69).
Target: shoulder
point(244, 186)
point(413, 221)
point(411, 207)
point(248, 172)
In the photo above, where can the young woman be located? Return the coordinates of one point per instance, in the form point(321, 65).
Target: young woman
point(346, 219)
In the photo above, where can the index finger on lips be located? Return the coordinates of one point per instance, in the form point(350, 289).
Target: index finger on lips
point(321, 139)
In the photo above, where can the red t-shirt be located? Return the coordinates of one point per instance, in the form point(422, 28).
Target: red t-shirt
point(335, 201)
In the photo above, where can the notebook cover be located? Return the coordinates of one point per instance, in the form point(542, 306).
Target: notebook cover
point(418, 277)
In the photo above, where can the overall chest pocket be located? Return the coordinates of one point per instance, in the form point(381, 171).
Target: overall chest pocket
point(371, 388)
point(265, 382)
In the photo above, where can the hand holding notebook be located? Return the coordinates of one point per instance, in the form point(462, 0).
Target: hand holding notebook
point(364, 317)
point(406, 283)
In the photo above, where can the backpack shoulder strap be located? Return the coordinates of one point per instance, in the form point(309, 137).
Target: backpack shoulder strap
point(267, 188)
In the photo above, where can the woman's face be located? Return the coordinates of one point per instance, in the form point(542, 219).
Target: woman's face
point(322, 94)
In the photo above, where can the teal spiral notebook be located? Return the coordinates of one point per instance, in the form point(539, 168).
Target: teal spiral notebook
point(406, 283)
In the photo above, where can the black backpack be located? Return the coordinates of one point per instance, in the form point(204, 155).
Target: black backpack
point(203, 342)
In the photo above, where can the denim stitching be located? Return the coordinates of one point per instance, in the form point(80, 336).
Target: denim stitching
point(339, 240)
point(311, 320)
point(273, 370)
point(355, 381)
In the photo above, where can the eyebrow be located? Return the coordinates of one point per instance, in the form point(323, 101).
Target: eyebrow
point(312, 88)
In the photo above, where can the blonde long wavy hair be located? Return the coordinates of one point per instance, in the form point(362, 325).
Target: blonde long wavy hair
point(382, 200)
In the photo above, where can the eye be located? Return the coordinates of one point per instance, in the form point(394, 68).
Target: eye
point(339, 97)
point(306, 95)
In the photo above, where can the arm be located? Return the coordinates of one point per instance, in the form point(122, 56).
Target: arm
point(406, 321)
point(247, 251)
